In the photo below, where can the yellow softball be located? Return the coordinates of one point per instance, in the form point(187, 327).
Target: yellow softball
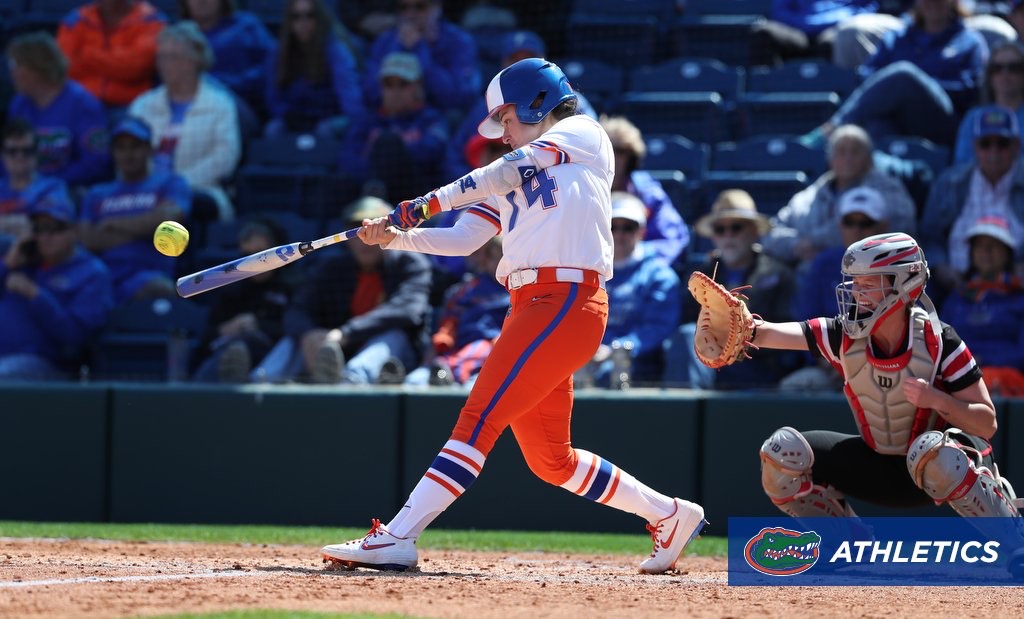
point(170, 238)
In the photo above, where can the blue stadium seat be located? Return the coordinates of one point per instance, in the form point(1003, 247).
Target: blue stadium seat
point(618, 40)
point(167, 7)
point(770, 190)
point(135, 343)
point(290, 173)
point(684, 194)
point(728, 7)
point(660, 9)
point(780, 113)
point(803, 76)
point(700, 116)
point(688, 75)
point(674, 152)
point(270, 12)
point(909, 147)
point(45, 14)
point(770, 153)
point(724, 37)
point(599, 81)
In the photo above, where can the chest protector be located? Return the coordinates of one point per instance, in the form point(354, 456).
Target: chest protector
point(887, 421)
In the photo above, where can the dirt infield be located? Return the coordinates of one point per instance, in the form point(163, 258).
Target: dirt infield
point(101, 579)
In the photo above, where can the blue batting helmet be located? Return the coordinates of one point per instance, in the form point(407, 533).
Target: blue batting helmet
point(534, 85)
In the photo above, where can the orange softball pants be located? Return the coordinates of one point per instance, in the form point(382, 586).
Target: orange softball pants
point(526, 382)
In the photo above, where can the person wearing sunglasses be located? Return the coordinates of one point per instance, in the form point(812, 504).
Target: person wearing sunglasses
point(54, 296)
point(644, 300)
point(446, 52)
point(21, 185)
point(312, 81)
point(734, 226)
point(1003, 86)
point(991, 185)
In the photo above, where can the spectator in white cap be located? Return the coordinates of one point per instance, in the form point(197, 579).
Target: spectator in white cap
point(963, 194)
point(644, 299)
point(988, 308)
point(400, 147)
point(862, 213)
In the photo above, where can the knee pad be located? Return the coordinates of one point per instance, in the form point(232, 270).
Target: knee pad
point(786, 462)
point(953, 473)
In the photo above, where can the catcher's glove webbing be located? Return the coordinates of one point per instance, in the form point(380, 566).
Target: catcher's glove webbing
point(725, 327)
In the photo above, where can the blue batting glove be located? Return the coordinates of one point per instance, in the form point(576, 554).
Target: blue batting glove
point(411, 213)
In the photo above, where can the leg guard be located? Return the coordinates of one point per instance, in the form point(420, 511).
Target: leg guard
point(786, 461)
point(953, 473)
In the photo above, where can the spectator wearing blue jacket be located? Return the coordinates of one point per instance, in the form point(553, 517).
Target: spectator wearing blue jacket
point(667, 234)
point(988, 308)
point(240, 42)
point(55, 296)
point(118, 218)
point(402, 145)
point(70, 123)
point(312, 84)
point(921, 80)
point(446, 52)
point(801, 28)
point(21, 186)
point(644, 298)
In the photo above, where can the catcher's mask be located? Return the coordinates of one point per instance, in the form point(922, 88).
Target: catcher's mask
point(533, 85)
point(896, 255)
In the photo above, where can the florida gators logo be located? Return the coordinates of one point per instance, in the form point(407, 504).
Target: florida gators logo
point(781, 552)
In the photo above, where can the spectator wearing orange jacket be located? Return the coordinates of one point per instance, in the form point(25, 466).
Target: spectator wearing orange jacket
point(111, 45)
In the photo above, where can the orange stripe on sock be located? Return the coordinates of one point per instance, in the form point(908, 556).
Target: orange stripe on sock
point(590, 473)
point(447, 486)
point(615, 484)
point(465, 459)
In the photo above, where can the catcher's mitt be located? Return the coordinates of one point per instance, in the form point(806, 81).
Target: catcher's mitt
point(725, 326)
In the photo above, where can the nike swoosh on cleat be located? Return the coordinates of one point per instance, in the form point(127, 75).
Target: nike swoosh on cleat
point(366, 546)
point(668, 542)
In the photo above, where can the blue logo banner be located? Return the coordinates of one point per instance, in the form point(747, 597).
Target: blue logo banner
point(833, 552)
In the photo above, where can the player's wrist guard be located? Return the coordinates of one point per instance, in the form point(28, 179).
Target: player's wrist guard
point(411, 213)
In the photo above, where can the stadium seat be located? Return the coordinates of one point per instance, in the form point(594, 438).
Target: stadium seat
point(728, 7)
point(699, 116)
point(45, 14)
point(684, 194)
point(803, 76)
point(688, 75)
point(909, 147)
point(675, 152)
point(769, 153)
point(724, 37)
point(781, 113)
point(290, 173)
point(618, 40)
point(770, 190)
point(270, 12)
point(660, 9)
point(599, 81)
point(139, 339)
point(167, 7)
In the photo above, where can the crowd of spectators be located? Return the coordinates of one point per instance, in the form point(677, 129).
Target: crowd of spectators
point(120, 117)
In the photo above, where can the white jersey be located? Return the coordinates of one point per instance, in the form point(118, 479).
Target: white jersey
point(551, 200)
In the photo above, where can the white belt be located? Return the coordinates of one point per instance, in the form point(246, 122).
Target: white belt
point(525, 277)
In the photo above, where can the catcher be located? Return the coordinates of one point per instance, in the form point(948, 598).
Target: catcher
point(917, 394)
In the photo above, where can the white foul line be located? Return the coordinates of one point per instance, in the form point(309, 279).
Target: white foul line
point(14, 584)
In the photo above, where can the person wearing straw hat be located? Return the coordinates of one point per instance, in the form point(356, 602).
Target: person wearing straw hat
point(734, 226)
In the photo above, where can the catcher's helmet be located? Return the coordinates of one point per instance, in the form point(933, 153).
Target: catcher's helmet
point(895, 254)
point(534, 85)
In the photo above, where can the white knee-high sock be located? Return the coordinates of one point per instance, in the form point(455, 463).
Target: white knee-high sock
point(599, 480)
point(453, 471)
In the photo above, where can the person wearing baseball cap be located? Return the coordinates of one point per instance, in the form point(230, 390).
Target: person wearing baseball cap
point(57, 295)
point(989, 307)
point(992, 185)
point(644, 300)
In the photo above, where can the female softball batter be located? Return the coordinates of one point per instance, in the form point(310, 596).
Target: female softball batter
point(551, 199)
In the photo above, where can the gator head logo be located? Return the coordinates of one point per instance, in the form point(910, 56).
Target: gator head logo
point(781, 552)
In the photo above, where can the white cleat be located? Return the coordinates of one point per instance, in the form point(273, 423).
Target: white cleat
point(377, 550)
point(672, 535)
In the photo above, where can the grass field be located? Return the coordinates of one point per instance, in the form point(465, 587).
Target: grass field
point(507, 541)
